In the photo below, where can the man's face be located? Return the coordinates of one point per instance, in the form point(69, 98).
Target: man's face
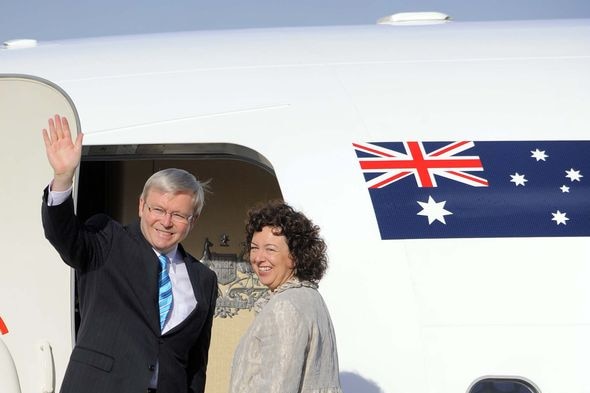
point(161, 218)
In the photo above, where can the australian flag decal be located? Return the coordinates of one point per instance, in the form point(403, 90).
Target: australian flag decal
point(472, 189)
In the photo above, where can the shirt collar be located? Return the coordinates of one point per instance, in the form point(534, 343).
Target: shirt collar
point(172, 257)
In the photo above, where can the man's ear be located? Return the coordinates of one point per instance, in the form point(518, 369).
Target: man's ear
point(193, 221)
point(141, 205)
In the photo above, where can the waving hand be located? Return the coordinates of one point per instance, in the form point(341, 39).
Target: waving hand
point(63, 153)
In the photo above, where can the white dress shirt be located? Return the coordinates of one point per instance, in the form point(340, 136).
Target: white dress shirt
point(183, 296)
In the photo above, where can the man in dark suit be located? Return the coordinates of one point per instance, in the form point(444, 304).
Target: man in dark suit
point(146, 305)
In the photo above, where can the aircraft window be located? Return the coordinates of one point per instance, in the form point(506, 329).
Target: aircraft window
point(502, 385)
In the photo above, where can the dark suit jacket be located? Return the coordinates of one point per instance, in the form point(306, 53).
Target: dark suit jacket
point(119, 339)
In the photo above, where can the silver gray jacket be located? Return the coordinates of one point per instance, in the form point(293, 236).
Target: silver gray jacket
point(290, 346)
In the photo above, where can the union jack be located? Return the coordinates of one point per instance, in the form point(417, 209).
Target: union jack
point(424, 166)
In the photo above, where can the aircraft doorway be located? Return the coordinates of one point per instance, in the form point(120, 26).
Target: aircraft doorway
point(111, 181)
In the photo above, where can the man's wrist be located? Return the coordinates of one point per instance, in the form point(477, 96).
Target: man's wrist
point(61, 182)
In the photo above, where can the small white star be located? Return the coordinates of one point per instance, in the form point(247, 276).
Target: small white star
point(518, 180)
point(433, 210)
point(539, 155)
point(574, 175)
point(559, 218)
point(564, 188)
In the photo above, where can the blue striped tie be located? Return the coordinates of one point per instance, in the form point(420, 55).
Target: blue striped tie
point(165, 292)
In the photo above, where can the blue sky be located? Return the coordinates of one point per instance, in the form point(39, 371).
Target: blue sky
point(59, 19)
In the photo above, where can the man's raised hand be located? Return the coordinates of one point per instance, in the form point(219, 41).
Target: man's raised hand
point(63, 154)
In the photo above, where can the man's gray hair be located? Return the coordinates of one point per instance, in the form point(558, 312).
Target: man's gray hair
point(176, 180)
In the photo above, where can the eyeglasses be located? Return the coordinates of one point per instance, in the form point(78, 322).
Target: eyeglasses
point(158, 212)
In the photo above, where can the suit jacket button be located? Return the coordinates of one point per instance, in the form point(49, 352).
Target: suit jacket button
point(152, 367)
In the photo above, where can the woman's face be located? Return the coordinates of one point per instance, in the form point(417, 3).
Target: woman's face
point(270, 258)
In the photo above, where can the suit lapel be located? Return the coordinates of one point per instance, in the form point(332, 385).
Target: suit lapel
point(144, 278)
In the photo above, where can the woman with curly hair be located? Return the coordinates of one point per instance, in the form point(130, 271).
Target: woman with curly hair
point(291, 345)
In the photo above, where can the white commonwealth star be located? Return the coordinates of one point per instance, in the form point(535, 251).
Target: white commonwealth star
point(574, 175)
point(518, 180)
point(539, 155)
point(433, 210)
point(559, 218)
point(564, 188)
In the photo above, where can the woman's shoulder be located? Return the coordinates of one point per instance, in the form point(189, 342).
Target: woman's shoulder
point(296, 289)
point(299, 294)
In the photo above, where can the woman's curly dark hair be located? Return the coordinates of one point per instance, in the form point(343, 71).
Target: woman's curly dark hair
point(306, 247)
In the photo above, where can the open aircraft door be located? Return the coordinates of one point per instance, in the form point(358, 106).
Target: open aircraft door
point(111, 178)
point(35, 286)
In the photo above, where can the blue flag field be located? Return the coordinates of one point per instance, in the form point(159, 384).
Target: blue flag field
point(470, 189)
